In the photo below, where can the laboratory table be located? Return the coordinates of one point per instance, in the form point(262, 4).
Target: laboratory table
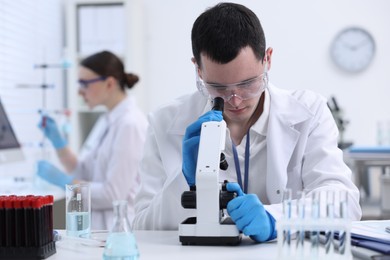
point(165, 245)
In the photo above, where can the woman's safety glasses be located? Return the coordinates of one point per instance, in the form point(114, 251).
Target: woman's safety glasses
point(244, 90)
point(83, 84)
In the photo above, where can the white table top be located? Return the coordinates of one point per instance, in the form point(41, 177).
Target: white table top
point(19, 179)
point(8, 186)
point(166, 245)
point(367, 156)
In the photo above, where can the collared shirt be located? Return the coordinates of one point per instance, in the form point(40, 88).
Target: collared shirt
point(258, 155)
point(111, 163)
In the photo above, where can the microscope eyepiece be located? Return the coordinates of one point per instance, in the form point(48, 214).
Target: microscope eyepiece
point(218, 104)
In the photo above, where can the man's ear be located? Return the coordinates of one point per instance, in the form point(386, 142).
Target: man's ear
point(196, 66)
point(195, 63)
point(268, 57)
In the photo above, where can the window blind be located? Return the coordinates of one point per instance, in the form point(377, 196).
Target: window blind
point(31, 64)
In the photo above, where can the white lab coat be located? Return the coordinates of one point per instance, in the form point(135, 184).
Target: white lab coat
point(111, 163)
point(301, 148)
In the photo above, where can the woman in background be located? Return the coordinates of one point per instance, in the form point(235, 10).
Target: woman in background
point(110, 164)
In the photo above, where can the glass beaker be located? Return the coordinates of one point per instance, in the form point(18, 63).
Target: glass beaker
point(78, 210)
point(121, 244)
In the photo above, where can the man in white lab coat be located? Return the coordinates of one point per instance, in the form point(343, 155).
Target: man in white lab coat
point(276, 139)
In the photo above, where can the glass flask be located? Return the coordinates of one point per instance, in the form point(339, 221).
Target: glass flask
point(121, 244)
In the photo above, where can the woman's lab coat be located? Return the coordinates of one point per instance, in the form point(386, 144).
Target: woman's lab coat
point(301, 148)
point(110, 161)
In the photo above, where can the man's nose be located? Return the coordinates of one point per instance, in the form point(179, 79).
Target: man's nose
point(234, 100)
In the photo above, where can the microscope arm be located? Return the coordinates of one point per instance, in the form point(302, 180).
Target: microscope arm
point(212, 142)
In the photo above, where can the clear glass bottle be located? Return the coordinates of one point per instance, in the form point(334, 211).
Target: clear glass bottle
point(121, 244)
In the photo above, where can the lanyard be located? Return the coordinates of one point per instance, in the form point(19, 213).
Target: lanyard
point(237, 163)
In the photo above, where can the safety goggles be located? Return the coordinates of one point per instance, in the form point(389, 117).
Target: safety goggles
point(83, 84)
point(244, 90)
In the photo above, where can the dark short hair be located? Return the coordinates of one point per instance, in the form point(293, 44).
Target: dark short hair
point(107, 64)
point(223, 30)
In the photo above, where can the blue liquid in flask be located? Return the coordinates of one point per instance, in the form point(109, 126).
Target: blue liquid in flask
point(121, 246)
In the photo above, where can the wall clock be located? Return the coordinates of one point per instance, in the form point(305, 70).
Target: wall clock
point(353, 49)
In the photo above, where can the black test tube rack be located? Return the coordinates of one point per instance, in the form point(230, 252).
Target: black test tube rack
point(26, 227)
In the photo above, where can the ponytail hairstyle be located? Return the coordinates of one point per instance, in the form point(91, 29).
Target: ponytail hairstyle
point(107, 64)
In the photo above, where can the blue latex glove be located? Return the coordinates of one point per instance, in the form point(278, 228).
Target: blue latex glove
point(249, 214)
point(50, 129)
point(191, 144)
point(52, 174)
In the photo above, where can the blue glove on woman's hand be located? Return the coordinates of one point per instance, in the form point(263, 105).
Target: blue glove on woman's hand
point(191, 144)
point(50, 129)
point(249, 214)
point(53, 175)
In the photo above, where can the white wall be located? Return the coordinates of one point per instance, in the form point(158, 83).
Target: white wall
point(300, 32)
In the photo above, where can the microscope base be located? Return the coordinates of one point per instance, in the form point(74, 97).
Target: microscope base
point(232, 241)
point(224, 234)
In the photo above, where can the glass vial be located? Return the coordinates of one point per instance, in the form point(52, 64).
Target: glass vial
point(121, 244)
point(380, 133)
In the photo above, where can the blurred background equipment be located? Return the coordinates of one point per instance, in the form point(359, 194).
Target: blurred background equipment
point(44, 110)
point(10, 149)
point(340, 121)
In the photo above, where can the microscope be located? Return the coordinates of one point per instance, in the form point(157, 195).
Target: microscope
point(212, 225)
point(341, 122)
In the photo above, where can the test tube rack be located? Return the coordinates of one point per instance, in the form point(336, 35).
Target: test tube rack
point(26, 227)
point(314, 239)
point(315, 226)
